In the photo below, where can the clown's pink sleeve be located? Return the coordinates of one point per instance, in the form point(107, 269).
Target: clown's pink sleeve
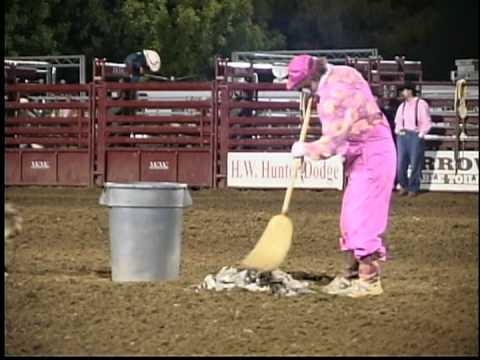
point(335, 129)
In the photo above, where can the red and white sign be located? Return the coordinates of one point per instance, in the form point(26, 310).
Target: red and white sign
point(274, 170)
point(439, 171)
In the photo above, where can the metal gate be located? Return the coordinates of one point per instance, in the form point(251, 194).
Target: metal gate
point(155, 132)
point(48, 135)
point(260, 117)
point(181, 132)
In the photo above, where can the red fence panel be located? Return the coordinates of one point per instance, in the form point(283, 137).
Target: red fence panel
point(253, 118)
point(259, 118)
point(166, 136)
point(48, 135)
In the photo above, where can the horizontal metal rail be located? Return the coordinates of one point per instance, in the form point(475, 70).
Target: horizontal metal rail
point(271, 131)
point(263, 105)
point(46, 120)
point(160, 86)
point(39, 88)
point(46, 141)
point(269, 120)
point(431, 137)
point(259, 87)
point(159, 130)
point(198, 104)
point(262, 142)
point(158, 119)
point(46, 131)
point(62, 105)
point(187, 140)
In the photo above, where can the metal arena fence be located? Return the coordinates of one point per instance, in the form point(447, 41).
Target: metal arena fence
point(88, 134)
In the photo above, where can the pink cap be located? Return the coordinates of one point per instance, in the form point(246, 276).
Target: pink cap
point(299, 68)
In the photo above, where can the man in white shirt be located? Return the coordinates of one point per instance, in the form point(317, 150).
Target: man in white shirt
point(412, 123)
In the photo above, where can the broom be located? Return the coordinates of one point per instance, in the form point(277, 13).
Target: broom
point(272, 248)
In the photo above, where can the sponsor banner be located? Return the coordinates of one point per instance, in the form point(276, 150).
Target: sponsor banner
point(274, 170)
point(439, 171)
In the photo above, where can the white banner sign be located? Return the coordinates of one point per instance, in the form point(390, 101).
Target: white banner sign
point(439, 171)
point(274, 170)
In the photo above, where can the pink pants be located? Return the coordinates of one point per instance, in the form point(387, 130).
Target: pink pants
point(370, 170)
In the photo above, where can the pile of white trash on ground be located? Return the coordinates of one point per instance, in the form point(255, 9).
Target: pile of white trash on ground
point(276, 282)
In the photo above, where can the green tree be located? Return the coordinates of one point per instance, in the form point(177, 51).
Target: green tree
point(26, 34)
point(145, 24)
point(89, 27)
point(188, 34)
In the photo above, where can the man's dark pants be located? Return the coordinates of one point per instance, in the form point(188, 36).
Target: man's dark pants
point(410, 150)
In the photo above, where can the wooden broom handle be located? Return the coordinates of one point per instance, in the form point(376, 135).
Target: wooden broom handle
point(298, 162)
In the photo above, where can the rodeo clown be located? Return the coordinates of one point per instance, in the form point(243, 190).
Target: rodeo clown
point(355, 128)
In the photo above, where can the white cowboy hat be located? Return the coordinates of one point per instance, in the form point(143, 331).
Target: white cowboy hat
point(153, 60)
point(279, 71)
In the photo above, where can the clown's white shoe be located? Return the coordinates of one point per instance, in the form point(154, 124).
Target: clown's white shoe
point(360, 288)
point(339, 284)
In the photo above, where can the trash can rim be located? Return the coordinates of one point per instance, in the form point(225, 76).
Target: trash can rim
point(146, 185)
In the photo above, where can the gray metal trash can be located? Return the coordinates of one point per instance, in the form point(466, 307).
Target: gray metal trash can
point(146, 223)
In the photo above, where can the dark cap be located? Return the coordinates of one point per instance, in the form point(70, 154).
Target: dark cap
point(409, 86)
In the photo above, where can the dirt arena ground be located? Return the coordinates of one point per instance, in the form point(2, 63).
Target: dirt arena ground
point(60, 300)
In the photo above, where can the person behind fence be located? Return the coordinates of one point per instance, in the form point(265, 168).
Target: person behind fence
point(412, 123)
point(137, 65)
point(354, 127)
point(141, 62)
point(389, 109)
